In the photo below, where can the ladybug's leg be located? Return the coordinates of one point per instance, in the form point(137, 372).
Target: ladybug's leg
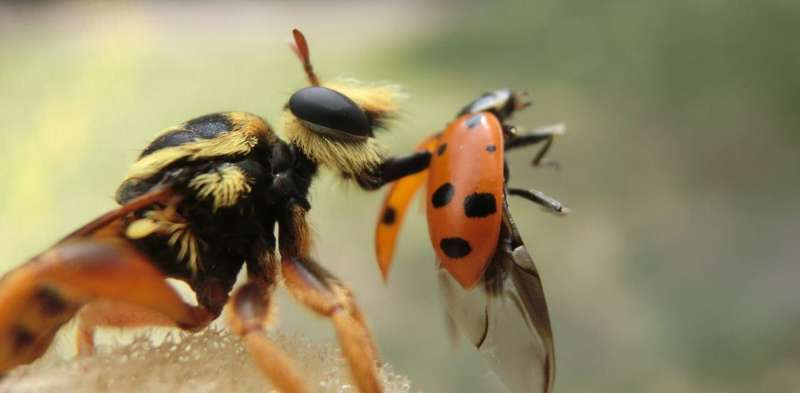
point(325, 294)
point(540, 198)
point(545, 134)
point(40, 296)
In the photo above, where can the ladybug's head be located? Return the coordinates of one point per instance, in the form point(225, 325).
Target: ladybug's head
point(335, 123)
point(503, 103)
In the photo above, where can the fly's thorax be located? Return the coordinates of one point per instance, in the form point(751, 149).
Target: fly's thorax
point(226, 136)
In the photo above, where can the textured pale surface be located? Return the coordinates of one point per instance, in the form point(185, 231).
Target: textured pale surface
point(211, 361)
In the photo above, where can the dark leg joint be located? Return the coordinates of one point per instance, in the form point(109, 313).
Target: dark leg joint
point(540, 198)
point(251, 307)
point(539, 159)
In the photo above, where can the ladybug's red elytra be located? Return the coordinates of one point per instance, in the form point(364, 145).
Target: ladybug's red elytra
point(465, 195)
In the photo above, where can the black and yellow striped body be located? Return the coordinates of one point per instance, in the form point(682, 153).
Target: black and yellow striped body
point(233, 177)
point(219, 136)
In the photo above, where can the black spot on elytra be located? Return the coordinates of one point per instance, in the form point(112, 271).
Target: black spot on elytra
point(51, 301)
point(491, 148)
point(480, 205)
point(441, 149)
point(455, 247)
point(442, 195)
point(389, 215)
point(22, 337)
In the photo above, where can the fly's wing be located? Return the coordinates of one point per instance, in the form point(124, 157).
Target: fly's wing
point(158, 194)
point(507, 317)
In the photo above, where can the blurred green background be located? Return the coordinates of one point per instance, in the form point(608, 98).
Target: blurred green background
point(678, 267)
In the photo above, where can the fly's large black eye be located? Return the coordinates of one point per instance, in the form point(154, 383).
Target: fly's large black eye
point(328, 111)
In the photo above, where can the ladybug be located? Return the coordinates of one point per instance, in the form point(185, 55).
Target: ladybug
point(491, 286)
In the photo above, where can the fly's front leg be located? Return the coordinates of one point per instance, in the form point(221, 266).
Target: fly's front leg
point(319, 290)
point(545, 134)
point(394, 168)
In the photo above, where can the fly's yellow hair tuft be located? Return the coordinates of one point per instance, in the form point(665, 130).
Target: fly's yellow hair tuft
point(167, 222)
point(379, 100)
point(224, 186)
point(349, 158)
point(142, 228)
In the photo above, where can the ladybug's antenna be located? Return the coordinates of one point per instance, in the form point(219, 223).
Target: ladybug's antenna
point(521, 100)
point(300, 48)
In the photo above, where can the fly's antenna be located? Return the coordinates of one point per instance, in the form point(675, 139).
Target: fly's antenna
point(300, 48)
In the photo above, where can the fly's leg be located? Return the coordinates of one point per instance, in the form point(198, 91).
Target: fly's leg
point(249, 311)
point(319, 290)
point(394, 168)
point(43, 294)
point(211, 294)
point(250, 308)
point(107, 313)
